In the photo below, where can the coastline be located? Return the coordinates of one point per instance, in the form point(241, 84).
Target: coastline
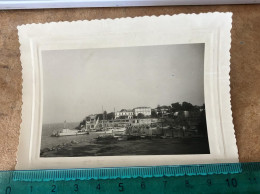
point(172, 146)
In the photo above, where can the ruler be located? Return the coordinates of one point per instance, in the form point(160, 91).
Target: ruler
point(205, 178)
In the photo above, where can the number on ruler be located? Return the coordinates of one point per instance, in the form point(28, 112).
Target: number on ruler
point(187, 184)
point(76, 187)
point(121, 187)
point(53, 188)
point(209, 182)
point(98, 186)
point(142, 185)
point(233, 182)
point(165, 183)
point(8, 190)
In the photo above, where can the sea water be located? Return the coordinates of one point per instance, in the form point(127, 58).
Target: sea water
point(47, 141)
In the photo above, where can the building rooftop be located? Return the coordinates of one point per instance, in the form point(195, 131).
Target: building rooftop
point(162, 107)
point(125, 110)
point(142, 107)
point(92, 115)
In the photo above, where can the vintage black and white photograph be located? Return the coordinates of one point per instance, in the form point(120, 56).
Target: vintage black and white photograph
point(146, 100)
point(141, 91)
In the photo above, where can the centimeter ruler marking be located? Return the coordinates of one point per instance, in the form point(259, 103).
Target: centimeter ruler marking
point(159, 179)
point(126, 172)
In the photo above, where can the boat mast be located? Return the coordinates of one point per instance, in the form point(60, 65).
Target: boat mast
point(103, 117)
point(114, 117)
point(64, 124)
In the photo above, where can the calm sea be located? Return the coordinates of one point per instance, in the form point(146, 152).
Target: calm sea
point(48, 142)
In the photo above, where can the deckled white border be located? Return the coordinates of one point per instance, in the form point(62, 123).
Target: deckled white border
point(213, 29)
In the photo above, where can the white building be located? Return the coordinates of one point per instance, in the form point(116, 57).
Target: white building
point(146, 111)
point(162, 110)
point(91, 122)
point(124, 113)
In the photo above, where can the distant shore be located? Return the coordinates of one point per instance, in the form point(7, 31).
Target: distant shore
point(171, 146)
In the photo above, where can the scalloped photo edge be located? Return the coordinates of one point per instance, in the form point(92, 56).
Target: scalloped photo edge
point(210, 29)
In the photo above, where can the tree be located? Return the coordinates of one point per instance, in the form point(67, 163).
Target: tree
point(123, 117)
point(186, 106)
point(110, 116)
point(196, 108)
point(81, 125)
point(100, 116)
point(180, 120)
point(176, 107)
point(104, 115)
point(159, 111)
point(154, 114)
point(140, 116)
point(203, 123)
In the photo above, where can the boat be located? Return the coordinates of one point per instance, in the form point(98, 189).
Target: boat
point(122, 138)
point(69, 132)
point(105, 137)
point(114, 131)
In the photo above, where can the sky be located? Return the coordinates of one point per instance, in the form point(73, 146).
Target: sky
point(77, 83)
